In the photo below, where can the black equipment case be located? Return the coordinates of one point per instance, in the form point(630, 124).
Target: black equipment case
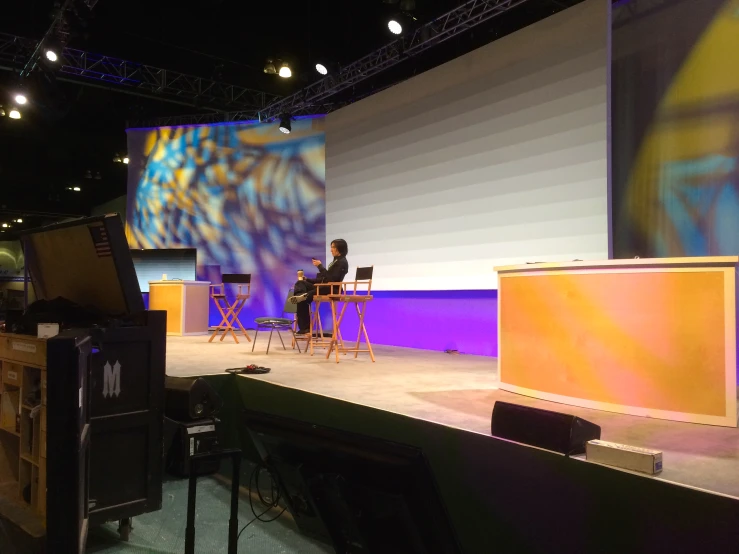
point(106, 374)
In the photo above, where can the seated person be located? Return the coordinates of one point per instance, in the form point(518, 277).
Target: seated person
point(305, 289)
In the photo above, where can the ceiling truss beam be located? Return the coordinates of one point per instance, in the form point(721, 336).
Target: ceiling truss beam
point(152, 82)
point(455, 22)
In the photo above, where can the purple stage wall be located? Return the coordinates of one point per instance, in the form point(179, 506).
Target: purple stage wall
point(466, 321)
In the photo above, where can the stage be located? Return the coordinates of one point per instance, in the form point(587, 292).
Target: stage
point(456, 391)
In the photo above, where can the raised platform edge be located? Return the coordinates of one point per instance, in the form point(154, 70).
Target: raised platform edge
point(629, 263)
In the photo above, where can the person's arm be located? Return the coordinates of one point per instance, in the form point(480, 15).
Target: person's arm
point(336, 273)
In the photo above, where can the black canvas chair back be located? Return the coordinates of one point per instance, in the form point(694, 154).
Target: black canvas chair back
point(236, 278)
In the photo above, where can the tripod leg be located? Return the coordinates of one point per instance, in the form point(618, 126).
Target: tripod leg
point(233, 523)
point(191, 497)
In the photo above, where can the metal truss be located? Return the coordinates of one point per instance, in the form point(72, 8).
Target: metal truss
point(246, 115)
point(241, 104)
point(145, 80)
point(449, 25)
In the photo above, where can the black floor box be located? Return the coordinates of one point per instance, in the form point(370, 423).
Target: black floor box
point(186, 439)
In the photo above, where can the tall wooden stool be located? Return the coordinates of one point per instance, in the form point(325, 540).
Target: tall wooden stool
point(322, 295)
point(352, 293)
point(230, 311)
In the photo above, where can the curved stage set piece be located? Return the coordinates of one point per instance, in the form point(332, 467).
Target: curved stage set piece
point(645, 337)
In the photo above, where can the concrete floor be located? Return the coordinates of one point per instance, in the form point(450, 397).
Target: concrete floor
point(459, 391)
point(163, 531)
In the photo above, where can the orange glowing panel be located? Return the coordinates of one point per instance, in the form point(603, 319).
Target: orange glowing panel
point(645, 340)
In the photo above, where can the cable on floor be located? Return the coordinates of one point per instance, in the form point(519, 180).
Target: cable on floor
point(275, 496)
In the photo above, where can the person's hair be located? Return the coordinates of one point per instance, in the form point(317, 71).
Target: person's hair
point(341, 246)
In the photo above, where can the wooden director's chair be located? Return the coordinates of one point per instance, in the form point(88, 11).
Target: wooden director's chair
point(346, 293)
point(230, 312)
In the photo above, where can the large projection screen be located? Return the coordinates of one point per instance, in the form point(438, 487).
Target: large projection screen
point(498, 157)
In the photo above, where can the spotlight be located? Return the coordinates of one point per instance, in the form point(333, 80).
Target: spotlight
point(19, 220)
point(285, 125)
point(321, 69)
point(285, 71)
point(125, 160)
point(21, 98)
point(117, 159)
point(14, 113)
point(395, 27)
point(5, 225)
point(2, 111)
point(269, 67)
point(51, 55)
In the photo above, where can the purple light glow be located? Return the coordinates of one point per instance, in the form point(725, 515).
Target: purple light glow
point(466, 321)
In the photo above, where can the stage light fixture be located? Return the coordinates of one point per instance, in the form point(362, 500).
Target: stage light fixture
point(395, 27)
point(285, 125)
point(125, 160)
point(269, 67)
point(321, 69)
point(19, 220)
point(21, 98)
point(14, 113)
point(5, 225)
point(2, 111)
point(51, 55)
point(117, 159)
point(285, 71)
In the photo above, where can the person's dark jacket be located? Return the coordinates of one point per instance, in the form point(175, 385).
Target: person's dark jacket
point(334, 273)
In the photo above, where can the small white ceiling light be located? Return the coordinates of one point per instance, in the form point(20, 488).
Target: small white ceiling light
point(285, 71)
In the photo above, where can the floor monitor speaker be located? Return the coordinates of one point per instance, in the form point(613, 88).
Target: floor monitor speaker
point(189, 399)
point(563, 433)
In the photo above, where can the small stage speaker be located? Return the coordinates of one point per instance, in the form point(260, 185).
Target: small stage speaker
point(189, 399)
point(566, 434)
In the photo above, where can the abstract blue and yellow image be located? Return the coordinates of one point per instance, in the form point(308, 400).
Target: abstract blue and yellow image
point(676, 131)
point(249, 198)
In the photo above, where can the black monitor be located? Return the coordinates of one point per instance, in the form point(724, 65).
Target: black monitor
point(175, 263)
point(360, 494)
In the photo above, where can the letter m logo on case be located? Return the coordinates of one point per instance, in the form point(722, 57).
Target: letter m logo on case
point(111, 379)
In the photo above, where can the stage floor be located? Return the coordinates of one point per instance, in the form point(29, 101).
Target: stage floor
point(459, 391)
